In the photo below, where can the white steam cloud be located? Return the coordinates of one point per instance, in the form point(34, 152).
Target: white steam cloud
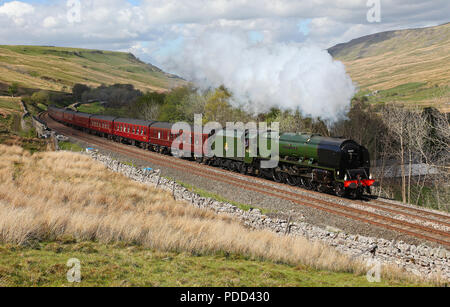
point(276, 75)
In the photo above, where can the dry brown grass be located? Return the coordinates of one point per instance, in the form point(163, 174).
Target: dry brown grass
point(416, 55)
point(50, 195)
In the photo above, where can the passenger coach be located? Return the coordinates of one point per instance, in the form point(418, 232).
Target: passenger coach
point(103, 125)
point(134, 131)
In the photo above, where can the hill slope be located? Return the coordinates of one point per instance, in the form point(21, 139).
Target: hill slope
point(412, 64)
point(58, 69)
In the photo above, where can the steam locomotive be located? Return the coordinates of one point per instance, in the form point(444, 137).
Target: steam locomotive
point(328, 165)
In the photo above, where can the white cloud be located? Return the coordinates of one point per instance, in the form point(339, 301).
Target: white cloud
point(49, 22)
point(111, 23)
point(16, 9)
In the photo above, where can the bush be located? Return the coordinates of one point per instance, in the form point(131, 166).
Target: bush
point(78, 90)
point(41, 97)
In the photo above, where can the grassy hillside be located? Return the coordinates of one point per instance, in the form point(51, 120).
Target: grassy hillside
point(11, 130)
point(57, 206)
point(409, 66)
point(58, 69)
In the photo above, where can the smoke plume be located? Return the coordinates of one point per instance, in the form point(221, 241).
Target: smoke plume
point(286, 76)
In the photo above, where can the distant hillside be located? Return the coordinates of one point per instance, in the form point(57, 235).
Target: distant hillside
point(411, 66)
point(58, 69)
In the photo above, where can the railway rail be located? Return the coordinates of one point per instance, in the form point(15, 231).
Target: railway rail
point(386, 215)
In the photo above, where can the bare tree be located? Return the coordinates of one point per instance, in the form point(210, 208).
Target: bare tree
point(395, 119)
point(150, 111)
point(419, 139)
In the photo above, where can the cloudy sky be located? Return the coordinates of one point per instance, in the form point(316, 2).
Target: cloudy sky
point(268, 52)
point(150, 28)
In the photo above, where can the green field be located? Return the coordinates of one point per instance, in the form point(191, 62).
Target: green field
point(92, 108)
point(11, 131)
point(9, 103)
point(410, 94)
point(44, 264)
point(70, 147)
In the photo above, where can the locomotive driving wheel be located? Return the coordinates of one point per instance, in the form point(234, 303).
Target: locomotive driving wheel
point(340, 190)
point(292, 180)
point(243, 168)
point(308, 184)
point(277, 176)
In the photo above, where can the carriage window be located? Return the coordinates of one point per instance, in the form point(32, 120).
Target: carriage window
point(159, 135)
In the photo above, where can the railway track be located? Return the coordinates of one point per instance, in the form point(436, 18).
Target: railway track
point(398, 218)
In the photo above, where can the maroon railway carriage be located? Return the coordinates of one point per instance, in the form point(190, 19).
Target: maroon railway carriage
point(200, 137)
point(162, 138)
point(55, 113)
point(68, 117)
point(82, 120)
point(135, 131)
point(102, 125)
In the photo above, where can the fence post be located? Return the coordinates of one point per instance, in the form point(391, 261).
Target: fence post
point(173, 190)
point(288, 226)
point(159, 179)
point(55, 141)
